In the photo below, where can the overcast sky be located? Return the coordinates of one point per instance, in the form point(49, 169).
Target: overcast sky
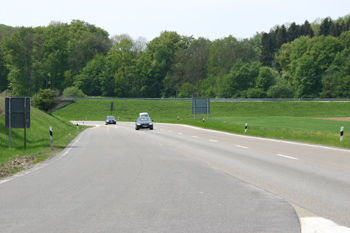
point(212, 19)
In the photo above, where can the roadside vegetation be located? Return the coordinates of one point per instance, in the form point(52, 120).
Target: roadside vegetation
point(38, 140)
point(297, 121)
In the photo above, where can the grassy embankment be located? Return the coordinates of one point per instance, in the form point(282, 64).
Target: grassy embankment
point(38, 137)
point(297, 121)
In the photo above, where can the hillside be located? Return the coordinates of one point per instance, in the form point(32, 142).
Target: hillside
point(296, 121)
point(38, 137)
point(128, 109)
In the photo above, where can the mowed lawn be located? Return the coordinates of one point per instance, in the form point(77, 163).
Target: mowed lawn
point(288, 120)
point(293, 123)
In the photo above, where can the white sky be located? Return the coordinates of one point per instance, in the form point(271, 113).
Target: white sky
point(212, 19)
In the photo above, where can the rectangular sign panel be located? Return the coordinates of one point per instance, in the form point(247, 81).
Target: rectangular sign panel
point(16, 106)
point(200, 106)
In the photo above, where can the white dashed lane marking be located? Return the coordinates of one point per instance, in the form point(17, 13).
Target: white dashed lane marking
point(244, 147)
point(288, 157)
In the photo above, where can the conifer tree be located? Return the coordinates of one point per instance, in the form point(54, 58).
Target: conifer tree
point(281, 36)
point(293, 32)
point(326, 26)
point(267, 50)
point(306, 30)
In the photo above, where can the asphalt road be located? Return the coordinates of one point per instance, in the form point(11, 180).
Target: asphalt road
point(178, 179)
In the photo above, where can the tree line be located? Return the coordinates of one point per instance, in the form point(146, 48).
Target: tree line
point(291, 61)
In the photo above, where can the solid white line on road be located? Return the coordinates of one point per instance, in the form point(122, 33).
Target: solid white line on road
point(45, 163)
point(179, 133)
point(194, 136)
point(212, 140)
point(268, 139)
point(244, 147)
point(4, 181)
point(322, 225)
point(288, 157)
point(170, 131)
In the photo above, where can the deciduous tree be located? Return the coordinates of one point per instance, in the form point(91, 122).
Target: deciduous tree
point(265, 78)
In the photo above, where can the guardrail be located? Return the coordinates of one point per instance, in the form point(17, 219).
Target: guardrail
point(218, 99)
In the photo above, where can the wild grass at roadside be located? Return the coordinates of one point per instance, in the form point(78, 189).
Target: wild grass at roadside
point(38, 137)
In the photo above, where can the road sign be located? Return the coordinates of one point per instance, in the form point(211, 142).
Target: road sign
point(17, 111)
point(200, 106)
point(17, 115)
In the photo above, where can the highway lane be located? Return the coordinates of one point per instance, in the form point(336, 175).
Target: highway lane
point(117, 179)
point(315, 179)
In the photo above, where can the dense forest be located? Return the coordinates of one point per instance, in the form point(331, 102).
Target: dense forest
point(290, 61)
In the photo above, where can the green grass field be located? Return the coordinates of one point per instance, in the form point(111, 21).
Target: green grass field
point(297, 121)
point(97, 109)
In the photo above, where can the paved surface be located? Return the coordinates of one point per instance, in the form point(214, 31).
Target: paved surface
point(315, 179)
point(117, 179)
point(179, 179)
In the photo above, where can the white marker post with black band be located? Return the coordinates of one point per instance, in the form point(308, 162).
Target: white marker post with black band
point(341, 133)
point(246, 127)
point(51, 136)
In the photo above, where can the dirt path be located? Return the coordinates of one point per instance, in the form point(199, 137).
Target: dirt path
point(338, 118)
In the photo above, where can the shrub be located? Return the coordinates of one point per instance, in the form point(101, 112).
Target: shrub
point(73, 92)
point(282, 89)
point(45, 99)
point(256, 93)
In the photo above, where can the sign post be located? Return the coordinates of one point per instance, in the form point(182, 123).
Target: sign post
point(10, 123)
point(341, 133)
point(51, 144)
point(24, 123)
point(194, 97)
